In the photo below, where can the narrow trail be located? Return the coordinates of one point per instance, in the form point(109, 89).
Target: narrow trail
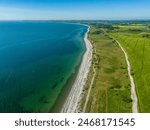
point(89, 91)
point(133, 91)
point(106, 100)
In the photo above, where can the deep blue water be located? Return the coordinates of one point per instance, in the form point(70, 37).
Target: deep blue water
point(36, 60)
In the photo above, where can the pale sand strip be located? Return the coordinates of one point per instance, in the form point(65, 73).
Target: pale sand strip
point(73, 100)
point(90, 88)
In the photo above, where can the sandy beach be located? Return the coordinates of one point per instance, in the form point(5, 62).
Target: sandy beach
point(71, 104)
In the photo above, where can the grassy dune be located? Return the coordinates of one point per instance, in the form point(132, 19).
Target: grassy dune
point(137, 45)
point(111, 87)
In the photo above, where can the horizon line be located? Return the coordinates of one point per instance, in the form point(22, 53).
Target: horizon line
point(75, 19)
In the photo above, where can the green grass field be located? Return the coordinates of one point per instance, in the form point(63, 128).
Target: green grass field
point(137, 45)
point(111, 87)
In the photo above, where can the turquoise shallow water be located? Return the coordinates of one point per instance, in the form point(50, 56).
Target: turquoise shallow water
point(36, 60)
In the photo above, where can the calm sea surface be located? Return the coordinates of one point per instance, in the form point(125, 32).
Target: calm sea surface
point(36, 61)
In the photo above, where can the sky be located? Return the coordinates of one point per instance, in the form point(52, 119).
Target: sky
point(74, 9)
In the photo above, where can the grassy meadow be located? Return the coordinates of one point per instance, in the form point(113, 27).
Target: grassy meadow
point(111, 87)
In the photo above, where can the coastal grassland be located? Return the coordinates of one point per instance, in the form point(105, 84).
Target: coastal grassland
point(110, 89)
point(137, 45)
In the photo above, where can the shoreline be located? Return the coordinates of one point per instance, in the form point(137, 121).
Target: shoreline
point(65, 91)
point(71, 104)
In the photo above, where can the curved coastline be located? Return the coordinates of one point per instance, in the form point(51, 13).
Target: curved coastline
point(71, 104)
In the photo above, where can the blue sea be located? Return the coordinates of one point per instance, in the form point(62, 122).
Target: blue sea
point(36, 61)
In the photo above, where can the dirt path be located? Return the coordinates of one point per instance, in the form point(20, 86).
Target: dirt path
point(133, 91)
